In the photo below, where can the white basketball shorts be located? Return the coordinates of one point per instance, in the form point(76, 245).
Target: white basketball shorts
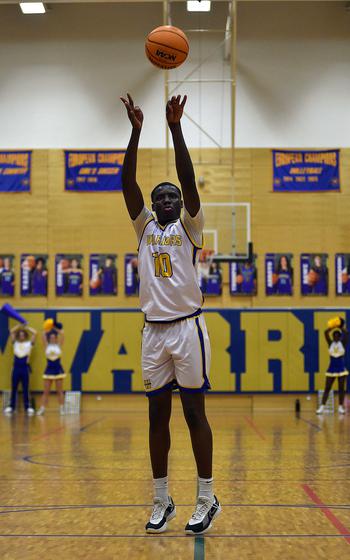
point(176, 354)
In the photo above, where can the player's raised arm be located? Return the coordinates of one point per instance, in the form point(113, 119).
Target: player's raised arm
point(131, 190)
point(184, 167)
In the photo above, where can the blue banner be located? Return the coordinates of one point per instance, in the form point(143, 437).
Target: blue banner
point(88, 171)
point(15, 171)
point(305, 171)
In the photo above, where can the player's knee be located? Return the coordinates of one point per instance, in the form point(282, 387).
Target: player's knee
point(158, 418)
point(194, 418)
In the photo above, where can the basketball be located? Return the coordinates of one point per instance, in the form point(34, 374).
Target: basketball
point(313, 277)
point(239, 279)
point(167, 47)
point(274, 279)
point(95, 283)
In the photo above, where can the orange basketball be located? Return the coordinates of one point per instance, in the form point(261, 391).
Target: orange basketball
point(95, 283)
point(344, 278)
point(313, 277)
point(239, 278)
point(167, 47)
point(274, 279)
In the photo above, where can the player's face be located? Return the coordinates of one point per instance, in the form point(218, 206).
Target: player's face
point(39, 265)
point(284, 263)
point(108, 263)
point(7, 263)
point(317, 261)
point(74, 263)
point(167, 204)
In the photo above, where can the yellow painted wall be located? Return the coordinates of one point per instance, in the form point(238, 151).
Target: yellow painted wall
point(53, 221)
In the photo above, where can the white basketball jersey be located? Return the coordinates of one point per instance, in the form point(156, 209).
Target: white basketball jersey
point(167, 260)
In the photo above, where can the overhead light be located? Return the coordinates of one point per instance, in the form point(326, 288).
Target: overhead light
point(198, 6)
point(32, 7)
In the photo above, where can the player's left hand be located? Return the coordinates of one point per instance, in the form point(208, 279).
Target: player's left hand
point(175, 108)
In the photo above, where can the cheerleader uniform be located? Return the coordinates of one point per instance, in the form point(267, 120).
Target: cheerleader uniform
point(336, 366)
point(54, 369)
point(20, 372)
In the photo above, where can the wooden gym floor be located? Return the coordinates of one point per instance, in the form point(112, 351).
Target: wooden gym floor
point(79, 486)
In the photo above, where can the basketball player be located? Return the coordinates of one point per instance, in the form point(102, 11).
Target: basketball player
point(175, 348)
point(39, 278)
point(108, 276)
point(247, 271)
point(75, 279)
point(7, 278)
point(285, 274)
point(336, 368)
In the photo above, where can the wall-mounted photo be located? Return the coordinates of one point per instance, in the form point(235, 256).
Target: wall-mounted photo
point(69, 275)
point(131, 274)
point(34, 274)
point(7, 275)
point(243, 278)
point(209, 274)
point(103, 275)
point(314, 274)
point(278, 274)
point(342, 274)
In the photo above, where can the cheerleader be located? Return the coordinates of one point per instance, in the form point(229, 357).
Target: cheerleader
point(336, 367)
point(53, 342)
point(22, 347)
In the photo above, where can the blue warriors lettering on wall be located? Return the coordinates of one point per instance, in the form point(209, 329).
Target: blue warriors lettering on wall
point(103, 275)
point(7, 275)
point(314, 274)
point(34, 275)
point(131, 274)
point(279, 274)
point(69, 275)
point(342, 274)
point(209, 274)
point(243, 278)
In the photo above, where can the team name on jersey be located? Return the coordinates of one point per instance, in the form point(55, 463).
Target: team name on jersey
point(164, 240)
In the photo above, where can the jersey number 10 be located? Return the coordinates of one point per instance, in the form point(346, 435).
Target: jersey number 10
point(162, 265)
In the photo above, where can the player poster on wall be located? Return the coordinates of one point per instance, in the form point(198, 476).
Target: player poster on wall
point(314, 274)
point(278, 274)
point(209, 274)
point(7, 275)
point(342, 274)
point(243, 278)
point(131, 274)
point(69, 275)
point(34, 275)
point(103, 275)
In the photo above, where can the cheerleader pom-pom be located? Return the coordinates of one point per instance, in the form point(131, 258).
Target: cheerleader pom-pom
point(336, 322)
point(48, 325)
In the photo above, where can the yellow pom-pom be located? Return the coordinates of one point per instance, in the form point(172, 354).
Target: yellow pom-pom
point(333, 323)
point(48, 324)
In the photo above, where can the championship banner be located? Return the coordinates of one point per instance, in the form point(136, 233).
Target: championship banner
point(342, 274)
point(103, 275)
point(305, 171)
point(314, 274)
point(7, 275)
point(243, 278)
point(15, 171)
point(131, 275)
point(69, 275)
point(88, 171)
point(278, 274)
point(34, 275)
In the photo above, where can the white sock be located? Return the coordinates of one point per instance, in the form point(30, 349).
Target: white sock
point(205, 487)
point(160, 487)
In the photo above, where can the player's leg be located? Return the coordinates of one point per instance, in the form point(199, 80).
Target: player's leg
point(159, 446)
point(45, 396)
point(191, 353)
point(208, 506)
point(60, 394)
point(328, 387)
point(341, 388)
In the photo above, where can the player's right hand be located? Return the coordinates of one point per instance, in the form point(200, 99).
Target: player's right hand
point(134, 113)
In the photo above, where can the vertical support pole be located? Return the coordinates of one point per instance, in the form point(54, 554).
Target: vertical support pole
point(166, 91)
point(233, 78)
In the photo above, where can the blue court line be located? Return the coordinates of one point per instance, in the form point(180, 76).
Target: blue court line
point(199, 548)
point(162, 536)
point(316, 426)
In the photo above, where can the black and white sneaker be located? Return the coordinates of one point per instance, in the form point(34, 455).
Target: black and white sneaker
point(205, 513)
point(161, 514)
